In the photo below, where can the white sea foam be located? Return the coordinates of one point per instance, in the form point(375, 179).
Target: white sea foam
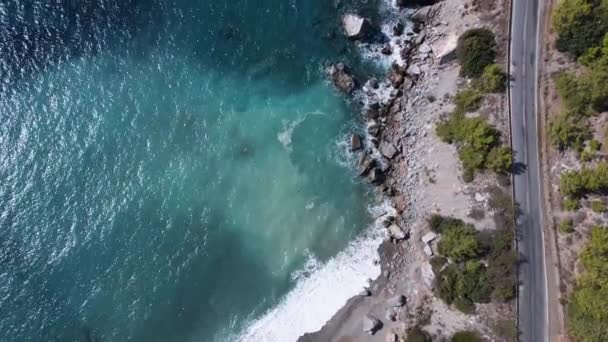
point(322, 289)
point(284, 136)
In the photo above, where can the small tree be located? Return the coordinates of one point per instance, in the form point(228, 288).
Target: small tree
point(460, 243)
point(494, 79)
point(500, 159)
point(568, 131)
point(476, 49)
point(468, 100)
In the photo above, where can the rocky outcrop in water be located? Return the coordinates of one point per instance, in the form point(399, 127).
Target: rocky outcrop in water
point(342, 79)
point(357, 27)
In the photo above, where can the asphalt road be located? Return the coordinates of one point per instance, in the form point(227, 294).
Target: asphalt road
point(532, 300)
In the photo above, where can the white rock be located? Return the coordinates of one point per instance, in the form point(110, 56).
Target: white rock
point(413, 70)
point(424, 48)
point(428, 251)
point(355, 26)
point(397, 232)
point(479, 197)
point(428, 237)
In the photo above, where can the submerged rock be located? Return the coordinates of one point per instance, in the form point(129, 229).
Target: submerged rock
point(341, 78)
point(371, 324)
point(356, 27)
point(386, 49)
point(398, 28)
point(355, 142)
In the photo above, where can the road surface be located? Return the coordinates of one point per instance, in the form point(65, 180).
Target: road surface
point(532, 301)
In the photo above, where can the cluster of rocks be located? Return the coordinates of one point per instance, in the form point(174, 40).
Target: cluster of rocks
point(372, 324)
point(386, 149)
point(383, 150)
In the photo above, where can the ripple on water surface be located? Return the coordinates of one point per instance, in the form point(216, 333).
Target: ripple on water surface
point(165, 167)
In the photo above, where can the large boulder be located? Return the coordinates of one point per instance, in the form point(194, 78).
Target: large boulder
point(429, 237)
point(356, 27)
point(365, 165)
point(388, 150)
point(341, 78)
point(371, 324)
point(396, 301)
point(396, 232)
point(373, 128)
point(423, 14)
point(355, 142)
point(376, 176)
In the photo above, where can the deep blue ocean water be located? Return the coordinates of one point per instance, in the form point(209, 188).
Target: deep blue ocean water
point(166, 166)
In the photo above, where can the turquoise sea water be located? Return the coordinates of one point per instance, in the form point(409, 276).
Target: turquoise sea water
point(166, 166)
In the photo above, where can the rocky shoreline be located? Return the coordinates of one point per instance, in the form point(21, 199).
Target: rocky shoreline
point(408, 166)
point(388, 150)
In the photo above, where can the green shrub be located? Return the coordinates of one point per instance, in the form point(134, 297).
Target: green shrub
point(502, 262)
point(575, 92)
point(566, 226)
point(571, 204)
point(594, 145)
point(466, 336)
point(507, 330)
point(580, 25)
point(476, 49)
point(475, 139)
point(587, 155)
point(500, 159)
point(568, 130)
point(460, 243)
point(445, 283)
point(468, 175)
point(474, 282)
point(598, 206)
point(437, 263)
point(417, 335)
point(576, 184)
point(439, 223)
point(468, 100)
point(464, 305)
point(493, 80)
point(588, 303)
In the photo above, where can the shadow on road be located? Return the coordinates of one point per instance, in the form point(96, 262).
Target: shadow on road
point(519, 168)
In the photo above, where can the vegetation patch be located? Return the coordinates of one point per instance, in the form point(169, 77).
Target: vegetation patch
point(576, 184)
point(417, 335)
point(588, 303)
point(481, 269)
point(478, 143)
point(493, 79)
point(476, 49)
point(468, 100)
point(598, 206)
point(566, 226)
point(580, 25)
point(466, 336)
